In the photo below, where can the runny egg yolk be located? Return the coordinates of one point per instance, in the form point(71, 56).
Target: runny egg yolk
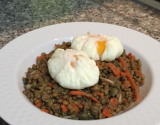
point(101, 47)
point(73, 63)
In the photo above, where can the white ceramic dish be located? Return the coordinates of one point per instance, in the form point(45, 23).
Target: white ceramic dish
point(20, 54)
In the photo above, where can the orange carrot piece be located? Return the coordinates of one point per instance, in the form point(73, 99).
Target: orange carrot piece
point(50, 85)
point(80, 106)
point(45, 110)
point(39, 103)
point(107, 111)
point(118, 76)
point(97, 63)
point(110, 76)
point(140, 73)
point(74, 107)
point(44, 70)
point(94, 99)
point(140, 82)
point(122, 61)
point(40, 57)
point(126, 101)
point(84, 94)
point(64, 108)
point(130, 55)
point(56, 45)
point(133, 85)
point(122, 74)
point(113, 68)
point(114, 101)
point(100, 94)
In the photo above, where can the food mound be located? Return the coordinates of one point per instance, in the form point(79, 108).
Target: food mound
point(75, 86)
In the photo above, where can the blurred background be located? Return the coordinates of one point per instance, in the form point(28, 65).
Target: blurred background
point(20, 16)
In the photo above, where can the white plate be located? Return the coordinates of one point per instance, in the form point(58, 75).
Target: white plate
point(20, 54)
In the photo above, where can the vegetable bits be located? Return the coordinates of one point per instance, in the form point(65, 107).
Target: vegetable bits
point(117, 88)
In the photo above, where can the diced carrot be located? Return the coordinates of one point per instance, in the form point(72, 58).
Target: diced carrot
point(94, 99)
point(44, 70)
point(64, 108)
point(107, 111)
point(50, 84)
point(101, 94)
point(140, 73)
point(118, 76)
point(110, 76)
point(122, 74)
point(40, 57)
point(97, 63)
point(128, 75)
point(80, 106)
point(126, 101)
point(55, 46)
point(130, 55)
point(74, 107)
point(45, 110)
point(133, 86)
point(84, 94)
point(113, 68)
point(114, 101)
point(39, 103)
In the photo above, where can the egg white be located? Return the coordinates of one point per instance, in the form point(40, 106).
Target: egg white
point(113, 50)
point(88, 44)
point(84, 74)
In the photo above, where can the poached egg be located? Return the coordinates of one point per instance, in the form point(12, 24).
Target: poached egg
point(73, 69)
point(98, 47)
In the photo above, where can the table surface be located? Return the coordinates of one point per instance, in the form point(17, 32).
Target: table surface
point(18, 17)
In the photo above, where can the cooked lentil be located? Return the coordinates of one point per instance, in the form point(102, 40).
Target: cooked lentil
point(52, 96)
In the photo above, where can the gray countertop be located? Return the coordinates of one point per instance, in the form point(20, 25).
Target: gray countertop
point(18, 17)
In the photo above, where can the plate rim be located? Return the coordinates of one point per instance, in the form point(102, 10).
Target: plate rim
point(77, 23)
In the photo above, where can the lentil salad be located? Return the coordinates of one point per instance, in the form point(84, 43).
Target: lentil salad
point(117, 88)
